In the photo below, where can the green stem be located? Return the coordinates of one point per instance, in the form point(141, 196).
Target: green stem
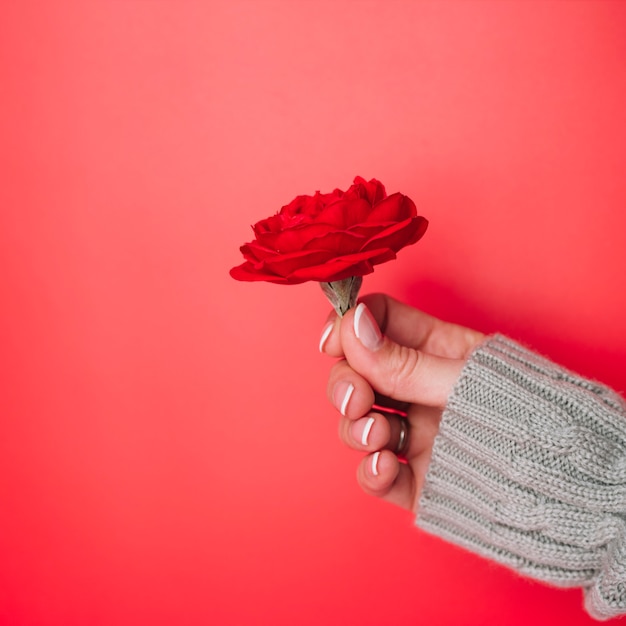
point(343, 293)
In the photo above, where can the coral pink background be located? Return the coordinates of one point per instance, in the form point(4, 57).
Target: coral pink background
point(167, 453)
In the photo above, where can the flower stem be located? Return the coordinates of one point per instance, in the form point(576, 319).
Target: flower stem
point(343, 293)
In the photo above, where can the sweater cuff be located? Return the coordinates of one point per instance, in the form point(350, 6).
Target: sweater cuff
point(529, 469)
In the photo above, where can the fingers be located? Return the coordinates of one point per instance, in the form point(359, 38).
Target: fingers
point(400, 358)
point(398, 371)
point(371, 432)
point(408, 326)
point(348, 392)
point(329, 340)
point(382, 475)
point(368, 430)
point(353, 396)
point(380, 472)
point(375, 431)
point(411, 327)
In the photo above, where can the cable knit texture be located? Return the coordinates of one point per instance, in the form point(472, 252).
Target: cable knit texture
point(529, 469)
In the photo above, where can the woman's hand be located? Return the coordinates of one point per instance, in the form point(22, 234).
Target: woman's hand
point(397, 358)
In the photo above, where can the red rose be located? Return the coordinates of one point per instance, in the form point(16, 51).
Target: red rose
point(331, 236)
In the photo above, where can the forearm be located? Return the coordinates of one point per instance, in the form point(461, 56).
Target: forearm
point(529, 469)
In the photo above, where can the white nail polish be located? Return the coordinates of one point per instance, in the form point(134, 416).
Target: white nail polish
point(325, 335)
point(366, 329)
point(375, 463)
point(366, 431)
point(357, 318)
point(346, 399)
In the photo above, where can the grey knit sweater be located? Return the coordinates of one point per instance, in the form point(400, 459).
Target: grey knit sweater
point(529, 469)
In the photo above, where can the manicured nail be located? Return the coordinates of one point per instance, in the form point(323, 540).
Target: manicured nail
point(375, 463)
point(342, 395)
point(366, 431)
point(326, 334)
point(366, 329)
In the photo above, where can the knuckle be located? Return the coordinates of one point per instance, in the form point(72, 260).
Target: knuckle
point(406, 364)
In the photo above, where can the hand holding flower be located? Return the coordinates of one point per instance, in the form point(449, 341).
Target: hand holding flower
point(395, 361)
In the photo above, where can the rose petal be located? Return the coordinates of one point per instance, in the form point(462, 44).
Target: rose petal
point(335, 270)
point(299, 209)
point(271, 224)
point(327, 237)
point(307, 208)
point(359, 263)
point(294, 239)
point(382, 256)
point(398, 235)
point(285, 264)
point(345, 212)
point(255, 252)
point(373, 191)
point(367, 231)
point(339, 242)
point(394, 208)
point(370, 231)
point(247, 272)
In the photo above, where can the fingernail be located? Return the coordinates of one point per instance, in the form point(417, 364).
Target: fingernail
point(326, 334)
point(366, 329)
point(375, 463)
point(366, 431)
point(342, 395)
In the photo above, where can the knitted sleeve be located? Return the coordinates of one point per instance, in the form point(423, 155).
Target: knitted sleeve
point(529, 469)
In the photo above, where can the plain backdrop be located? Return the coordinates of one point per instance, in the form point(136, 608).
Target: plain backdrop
point(167, 452)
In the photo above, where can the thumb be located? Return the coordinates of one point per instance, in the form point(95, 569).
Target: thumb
point(394, 370)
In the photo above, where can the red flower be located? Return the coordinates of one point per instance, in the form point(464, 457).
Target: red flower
point(331, 236)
